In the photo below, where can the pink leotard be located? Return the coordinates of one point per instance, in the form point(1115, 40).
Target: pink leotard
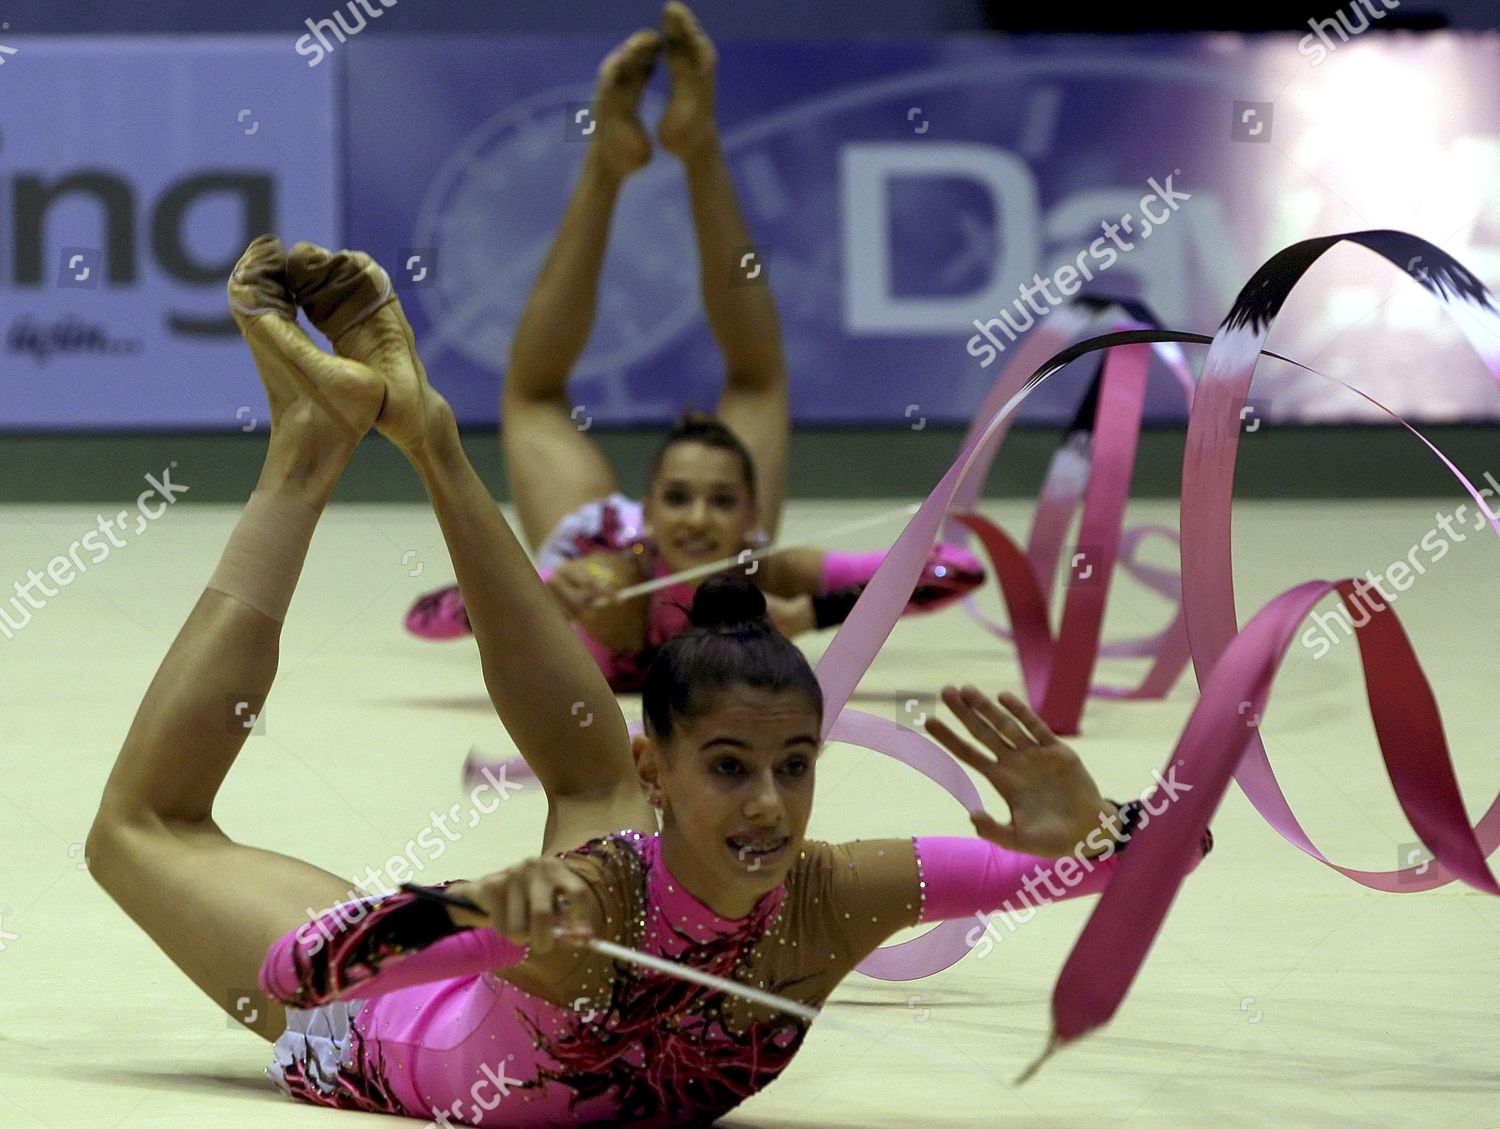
point(428, 1029)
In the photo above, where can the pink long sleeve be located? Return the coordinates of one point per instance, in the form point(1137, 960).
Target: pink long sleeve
point(374, 946)
point(847, 570)
point(961, 877)
point(949, 574)
point(966, 876)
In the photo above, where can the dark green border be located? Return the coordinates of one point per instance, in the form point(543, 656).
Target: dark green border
point(1279, 462)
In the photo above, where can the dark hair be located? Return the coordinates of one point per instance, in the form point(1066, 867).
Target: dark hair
point(701, 427)
point(732, 643)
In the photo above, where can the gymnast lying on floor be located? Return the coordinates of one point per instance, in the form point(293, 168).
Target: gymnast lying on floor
point(686, 842)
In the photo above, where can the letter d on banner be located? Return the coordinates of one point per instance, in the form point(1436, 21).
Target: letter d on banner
point(870, 303)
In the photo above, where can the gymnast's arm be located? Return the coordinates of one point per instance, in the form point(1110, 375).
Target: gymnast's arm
point(887, 885)
point(381, 944)
point(824, 584)
point(1062, 840)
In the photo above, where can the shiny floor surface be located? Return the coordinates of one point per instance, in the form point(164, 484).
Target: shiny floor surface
point(1279, 993)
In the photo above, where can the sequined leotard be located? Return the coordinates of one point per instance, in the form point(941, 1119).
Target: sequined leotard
point(427, 1025)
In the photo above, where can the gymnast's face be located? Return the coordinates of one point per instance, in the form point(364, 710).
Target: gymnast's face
point(736, 788)
point(699, 507)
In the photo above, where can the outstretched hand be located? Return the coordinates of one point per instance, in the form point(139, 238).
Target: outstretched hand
point(1054, 803)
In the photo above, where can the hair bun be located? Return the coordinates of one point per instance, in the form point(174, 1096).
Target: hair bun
point(727, 603)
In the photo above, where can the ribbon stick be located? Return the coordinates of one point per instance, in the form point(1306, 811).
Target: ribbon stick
point(648, 586)
point(706, 979)
point(686, 972)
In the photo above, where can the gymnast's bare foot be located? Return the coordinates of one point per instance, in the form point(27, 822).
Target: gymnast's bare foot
point(687, 124)
point(330, 401)
point(349, 297)
point(620, 143)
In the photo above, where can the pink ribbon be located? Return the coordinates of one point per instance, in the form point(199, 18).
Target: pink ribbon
point(1093, 466)
point(1235, 667)
point(874, 615)
point(1058, 672)
point(1082, 1000)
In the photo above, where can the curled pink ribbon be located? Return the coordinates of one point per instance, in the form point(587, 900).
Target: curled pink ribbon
point(1096, 459)
point(1237, 666)
point(1426, 787)
point(1234, 667)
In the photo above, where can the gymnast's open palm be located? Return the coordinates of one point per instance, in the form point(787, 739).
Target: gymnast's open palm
point(1054, 802)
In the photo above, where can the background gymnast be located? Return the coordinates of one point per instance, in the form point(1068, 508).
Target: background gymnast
point(716, 485)
point(399, 1005)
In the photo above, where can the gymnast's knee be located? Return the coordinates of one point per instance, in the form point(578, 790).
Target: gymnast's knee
point(112, 845)
point(122, 839)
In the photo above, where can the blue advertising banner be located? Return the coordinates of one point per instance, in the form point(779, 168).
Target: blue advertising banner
point(918, 204)
point(915, 206)
point(133, 172)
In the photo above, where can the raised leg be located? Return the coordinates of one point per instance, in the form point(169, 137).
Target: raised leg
point(546, 689)
point(554, 467)
point(740, 309)
point(211, 904)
